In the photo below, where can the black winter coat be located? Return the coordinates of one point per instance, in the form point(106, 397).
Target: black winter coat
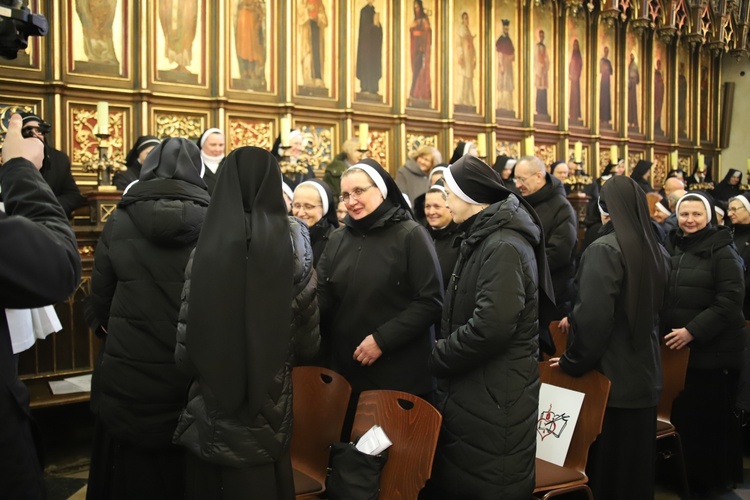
point(228, 440)
point(447, 253)
point(384, 282)
point(742, 243)
point(138, 275)
point(319, 235)
point(486, 360)
point(56, 171)
point(706, 293)
point(560, 224)
point(601, 337)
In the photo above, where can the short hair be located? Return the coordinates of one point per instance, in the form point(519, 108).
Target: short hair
point(535, 164)
point(350, 146)
point(428, 150)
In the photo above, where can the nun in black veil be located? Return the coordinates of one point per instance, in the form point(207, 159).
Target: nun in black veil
point(486, 355)
point(134, 160)
point(235, 337)
point(614, 326)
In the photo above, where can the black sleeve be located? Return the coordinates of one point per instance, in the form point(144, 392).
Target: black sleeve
point(39, 260)
point(103, 277)
point(66, 190)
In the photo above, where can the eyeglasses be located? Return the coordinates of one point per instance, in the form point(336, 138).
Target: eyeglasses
point(304, 206)
point(31, 131)
point(356, 193)
point(734, 209)
point(523, 180)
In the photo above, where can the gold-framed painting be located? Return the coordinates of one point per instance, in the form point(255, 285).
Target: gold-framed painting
point(251, 48)
point(635, 80)
point(705, 91)
point(543, 62)
point(180, 34)
point(315, 42)
point(684, 91)
point(661, 91)
point(607, 77)
point(468, 56)
point(508, 44)
point(320, 142)
point(371, 49)
point(421, 59)
point(28, 62)
point(577, 68)
point(99, 38)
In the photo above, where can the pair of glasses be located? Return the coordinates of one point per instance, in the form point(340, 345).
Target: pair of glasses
point(735, 209)
point(31, 132)
point(355, 194)
point(522, 180)
point(304, 206)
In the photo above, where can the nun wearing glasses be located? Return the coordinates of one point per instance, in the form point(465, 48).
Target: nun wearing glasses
point(313, 203)
point(379, 288)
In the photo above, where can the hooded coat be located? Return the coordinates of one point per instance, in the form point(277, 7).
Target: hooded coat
point(486, 359)
point(412, 181)
point(726, 191)
point(136, 283)
point(639, 171)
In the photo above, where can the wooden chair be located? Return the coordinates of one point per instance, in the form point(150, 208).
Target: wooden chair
point(674, 368)
point(553, 480)
point(413, 425)
point(321, 397)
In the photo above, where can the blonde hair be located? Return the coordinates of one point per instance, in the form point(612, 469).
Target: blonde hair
point(350, 146)
point(428, 151)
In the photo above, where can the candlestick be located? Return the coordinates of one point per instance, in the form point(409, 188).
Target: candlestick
point(364, 136)
point(102, 114)
point(578, 152)
point(286, 129)
point(529, 145)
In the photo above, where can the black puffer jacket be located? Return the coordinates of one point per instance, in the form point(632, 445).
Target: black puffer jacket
point(560, 224)
point(742, 243)
point(319, 235)
point(447, 254)
point(139, 271)
point(223, 439)
point(486, 360)
point(706, 293)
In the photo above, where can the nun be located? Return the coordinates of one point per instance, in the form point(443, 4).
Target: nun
point(463, 149)
point(313, 203)
point(729, 187)
point(486, 356)
point(442, 229)
point(134, 160)
point(418, 208)
point(641, 175)
point(504, 166)
point(245, 317)
point(379, 288)
point(211, 143)
point(622, 279)
point(295, 170)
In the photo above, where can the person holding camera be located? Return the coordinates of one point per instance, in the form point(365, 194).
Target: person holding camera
point(39, 265)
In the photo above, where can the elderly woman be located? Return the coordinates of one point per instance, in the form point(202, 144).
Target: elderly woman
point(561, 170)
point(614, 327)
point(244, 318)
point(134, 160)
point(739, 214)
point(297, 168)
point(349, 155)
point(379, 288)
point(211, 143)
point(704, 312)
point(412, 178)
point(313, 203)
point(486, 355)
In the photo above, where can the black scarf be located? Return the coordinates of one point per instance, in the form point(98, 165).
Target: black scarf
point(241, 290)
point(144, 141)
point(365, 223)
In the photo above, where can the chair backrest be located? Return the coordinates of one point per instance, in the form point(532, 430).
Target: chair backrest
point(674, 364)
point(596, 388)
point(413, 426)
point(559, 337)
point(321, 397)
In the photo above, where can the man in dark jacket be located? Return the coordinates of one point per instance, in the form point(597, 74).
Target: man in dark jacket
point(56, 166)
point(547, 195)
point(349, 155)
point(39, 265)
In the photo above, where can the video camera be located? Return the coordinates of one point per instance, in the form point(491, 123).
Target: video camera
point(17, 24)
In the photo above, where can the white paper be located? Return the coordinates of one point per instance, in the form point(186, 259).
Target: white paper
point(374, 441)
point(71, 385)
point(558, 413)
point(28, 325)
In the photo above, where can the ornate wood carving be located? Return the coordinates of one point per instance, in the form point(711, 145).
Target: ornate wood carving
point(249, 133)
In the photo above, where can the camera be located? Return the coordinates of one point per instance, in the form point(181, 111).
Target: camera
point(17, 24)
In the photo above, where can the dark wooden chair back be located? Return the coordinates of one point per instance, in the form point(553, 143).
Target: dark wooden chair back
point(321, 397)
point(673, 368)
point(413, 425)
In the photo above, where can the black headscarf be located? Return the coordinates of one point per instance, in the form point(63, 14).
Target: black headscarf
point(554, 166)
point(644, 262)
point(395, 196)
point(330, 215)
point(143, 142)
point(175, 158)
point(460, 151)
point(241, 290)
point(640, 170)
point(500, 163)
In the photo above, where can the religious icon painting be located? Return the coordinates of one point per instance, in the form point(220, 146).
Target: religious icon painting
point(633, 67)
point(684, 95)
point(467, 61)
point(181, 34)
point(315, 43)
point(100, 39)
point(371, 48)
point(661, 89)
point(607, 77)
point(251, 29)
point(705, 92)
point(508, 48)
point(30, 59)
point(421, 62)
point(543, 61)
point(577, 67)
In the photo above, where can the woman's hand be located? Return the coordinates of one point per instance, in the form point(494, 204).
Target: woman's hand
point(679, 338)
point(554, 362)
point(565, 325)
point(367, 352)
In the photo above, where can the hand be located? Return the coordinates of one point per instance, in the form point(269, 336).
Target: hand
point(16, 146)
point(679, 338)
point(565, 325)
point(368, 351)
point(554, 362)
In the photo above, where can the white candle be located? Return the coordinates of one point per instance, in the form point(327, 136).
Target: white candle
point(529, 145)
point(482, 145)
point(701, 163)
point(364, 135)
point(613, 154)
point(286, 129)
point(102, 114)
point(578, 152)
point(674, 160)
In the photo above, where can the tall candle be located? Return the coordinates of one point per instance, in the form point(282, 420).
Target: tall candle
point(578, 152)
point(748, 164)
point(102, 117)
point(529, 145)
point(613, 154)
point(701, 163)
point(364, 135)
point(482, 145)
point(286, 129)
point(674, 160)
